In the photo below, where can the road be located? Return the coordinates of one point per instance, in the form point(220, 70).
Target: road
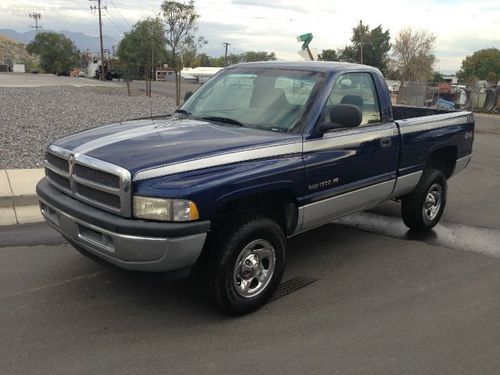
point(361, 295)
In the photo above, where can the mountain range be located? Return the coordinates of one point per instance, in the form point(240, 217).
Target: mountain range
point(82, 41)
point(87, 42)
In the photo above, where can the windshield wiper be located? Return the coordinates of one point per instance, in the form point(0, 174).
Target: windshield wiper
point(225, 120)
point(183, 112)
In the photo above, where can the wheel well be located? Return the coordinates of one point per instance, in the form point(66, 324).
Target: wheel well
point(278, 205)
point(443, 159)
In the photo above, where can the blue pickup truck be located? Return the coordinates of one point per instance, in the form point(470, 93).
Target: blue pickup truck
point(260, 153)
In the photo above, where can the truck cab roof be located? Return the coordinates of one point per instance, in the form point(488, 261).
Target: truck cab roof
point(316, 66)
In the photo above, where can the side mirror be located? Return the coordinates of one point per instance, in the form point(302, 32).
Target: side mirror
point(187, 95)
point(342, 116)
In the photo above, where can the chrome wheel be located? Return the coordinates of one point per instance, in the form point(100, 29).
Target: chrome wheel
point(254, 268)
point(433, 201)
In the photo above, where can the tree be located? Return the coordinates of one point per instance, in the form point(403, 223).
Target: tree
point(204, 60)
point(471, 81)
point(360, 38)
point(251, 56)
point(188, 57)
point(492, 78)
point(392, 70)
point(437, 77)
point(128, 57)
point(180, 20)
point(141, 49)
point(375, 43)
point(413, 53)
point(219, 61)
point(58, 54)
point(232, 59)
point(480, 64)
point(189, 53)
point(328, 55)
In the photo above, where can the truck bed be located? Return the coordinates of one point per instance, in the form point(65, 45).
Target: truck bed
point(403, 112)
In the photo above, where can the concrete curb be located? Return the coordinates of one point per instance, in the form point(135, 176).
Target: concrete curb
point(18, 199)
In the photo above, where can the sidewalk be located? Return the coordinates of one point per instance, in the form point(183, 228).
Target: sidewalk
point(18, 200)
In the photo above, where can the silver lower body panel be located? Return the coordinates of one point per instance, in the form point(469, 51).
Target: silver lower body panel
point(406, 184)
point(318, 213)
point(461, 164)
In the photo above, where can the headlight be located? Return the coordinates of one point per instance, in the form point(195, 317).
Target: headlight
point(165, 209)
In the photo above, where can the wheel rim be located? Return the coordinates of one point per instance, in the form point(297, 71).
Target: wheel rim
point(433, 202)
point(254, 268)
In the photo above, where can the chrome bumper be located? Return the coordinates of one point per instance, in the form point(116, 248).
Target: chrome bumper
point(132, 252)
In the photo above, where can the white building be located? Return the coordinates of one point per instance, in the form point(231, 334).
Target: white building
point(200, 74)
point(451, 79)
point(18, 68)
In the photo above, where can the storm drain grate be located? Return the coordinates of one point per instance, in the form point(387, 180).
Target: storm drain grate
point(292, 285)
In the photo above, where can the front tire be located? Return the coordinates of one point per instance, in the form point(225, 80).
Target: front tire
point(248, 261)
point(422, 209)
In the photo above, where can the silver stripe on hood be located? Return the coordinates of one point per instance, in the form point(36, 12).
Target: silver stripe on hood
point(143, 130)
point(114, 138)
point(220, 159)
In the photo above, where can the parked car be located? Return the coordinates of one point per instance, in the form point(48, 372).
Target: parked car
point(260, 153)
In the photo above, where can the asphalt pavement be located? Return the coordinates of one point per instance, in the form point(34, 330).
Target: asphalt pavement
point(361, 295)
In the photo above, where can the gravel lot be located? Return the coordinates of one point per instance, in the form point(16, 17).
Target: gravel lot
point(31, 118)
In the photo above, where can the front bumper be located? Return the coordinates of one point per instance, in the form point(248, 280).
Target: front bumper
point(127, 243)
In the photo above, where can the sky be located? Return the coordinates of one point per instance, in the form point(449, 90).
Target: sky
point(461, 27)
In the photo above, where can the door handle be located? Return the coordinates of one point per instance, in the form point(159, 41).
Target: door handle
point(386, 142)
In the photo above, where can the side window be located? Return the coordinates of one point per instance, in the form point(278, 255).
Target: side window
point(357, 89)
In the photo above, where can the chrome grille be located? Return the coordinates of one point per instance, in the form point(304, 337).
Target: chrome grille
point(102, 197)
point(57, 179)
point(57, 162)
point(96, 176)
point(93, 181)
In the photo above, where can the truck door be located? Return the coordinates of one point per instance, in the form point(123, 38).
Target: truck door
point(349, 169)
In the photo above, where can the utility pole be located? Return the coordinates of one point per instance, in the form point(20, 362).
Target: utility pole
point(226, 44)
point(98, 8)
point(36, 16)
point(361, 41)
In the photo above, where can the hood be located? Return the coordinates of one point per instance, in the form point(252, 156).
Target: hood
point(143, 144)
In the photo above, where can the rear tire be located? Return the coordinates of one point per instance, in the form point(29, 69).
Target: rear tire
point(247, 261)
point(422, 209)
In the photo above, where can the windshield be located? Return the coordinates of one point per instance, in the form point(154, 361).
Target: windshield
point(269, 99)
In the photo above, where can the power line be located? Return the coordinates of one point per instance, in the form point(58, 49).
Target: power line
point(120, 13)
point(115, 32)
point(115, 23)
